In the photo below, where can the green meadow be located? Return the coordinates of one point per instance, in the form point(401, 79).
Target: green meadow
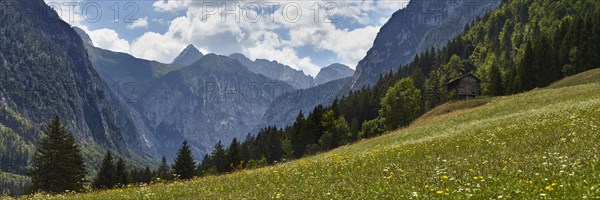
point(537, 145)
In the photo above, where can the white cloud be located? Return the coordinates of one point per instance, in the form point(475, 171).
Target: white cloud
point(170, 5)
point(108, 39)
point(140, 23)
point(270, 47)
point(154, 46)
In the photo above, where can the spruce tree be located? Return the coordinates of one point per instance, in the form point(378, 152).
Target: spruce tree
point(218, 158)
point(57, 166)
point(233, 155)
point(163, 171)
point(106, 177)
point(184, 165)
point(146, 176)
point(496, 81)
point(121, 174)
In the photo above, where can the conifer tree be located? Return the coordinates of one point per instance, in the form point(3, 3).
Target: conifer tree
point(146, 175)
point(57, 165)
point(297, 138)
point(106, 177)
point(233, 155)
point(121, 174)
point(496, 81)
point(163, 171)
point(184, 165)
point(218, 158)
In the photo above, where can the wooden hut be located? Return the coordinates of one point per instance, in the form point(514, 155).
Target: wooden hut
point(466, 86)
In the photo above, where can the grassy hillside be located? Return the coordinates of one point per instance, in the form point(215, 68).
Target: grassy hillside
point(539, 144)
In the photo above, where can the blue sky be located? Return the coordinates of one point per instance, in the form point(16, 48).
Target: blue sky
point(306, 34)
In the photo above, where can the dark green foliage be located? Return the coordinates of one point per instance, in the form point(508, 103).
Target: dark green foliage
point(233, 155)
point(121, 174)
point(142, 175)
point(107, 175)
point(401, 104)
point(57, 165)
point(164, 171)
point(337, 131)
point(184, 165)
point(496, 87)
point(218, 158)
point(372, 128)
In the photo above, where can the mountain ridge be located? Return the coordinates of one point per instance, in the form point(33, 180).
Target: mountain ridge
point(333, 72)
point(276, 71)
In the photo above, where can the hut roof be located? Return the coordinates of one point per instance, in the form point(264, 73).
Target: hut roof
point(462, 76)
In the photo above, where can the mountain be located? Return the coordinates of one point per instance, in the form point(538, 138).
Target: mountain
point(214, 99)
point(84, 36)
point(276, 71)
point(285, 108)
point(188, 56)
point(46, 72)
point(127, 75)
point(333, 72)
point(422, 24)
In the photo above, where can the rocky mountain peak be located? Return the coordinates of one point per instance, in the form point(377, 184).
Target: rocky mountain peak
point(188, 56)
point(333, 72)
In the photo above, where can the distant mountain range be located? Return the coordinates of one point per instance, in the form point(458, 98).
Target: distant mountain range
point(276, 71)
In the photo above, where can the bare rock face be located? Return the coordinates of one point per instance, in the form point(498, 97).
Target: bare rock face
point(188, 56)
point(423, 24)
point(276, 71)
point(333, 72)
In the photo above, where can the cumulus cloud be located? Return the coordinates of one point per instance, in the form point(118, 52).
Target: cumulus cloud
point(140, 23)
point(108, 39)
point(155, 46)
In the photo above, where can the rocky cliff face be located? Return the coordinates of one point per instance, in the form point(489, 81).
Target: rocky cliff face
point(421, 25)
point(276, 71)
point(333, 72)
point(46, 72)
point(188, 56)
point(214, 99)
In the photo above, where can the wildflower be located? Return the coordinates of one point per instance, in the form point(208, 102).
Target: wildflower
point(444, 177)
point(439, 192)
